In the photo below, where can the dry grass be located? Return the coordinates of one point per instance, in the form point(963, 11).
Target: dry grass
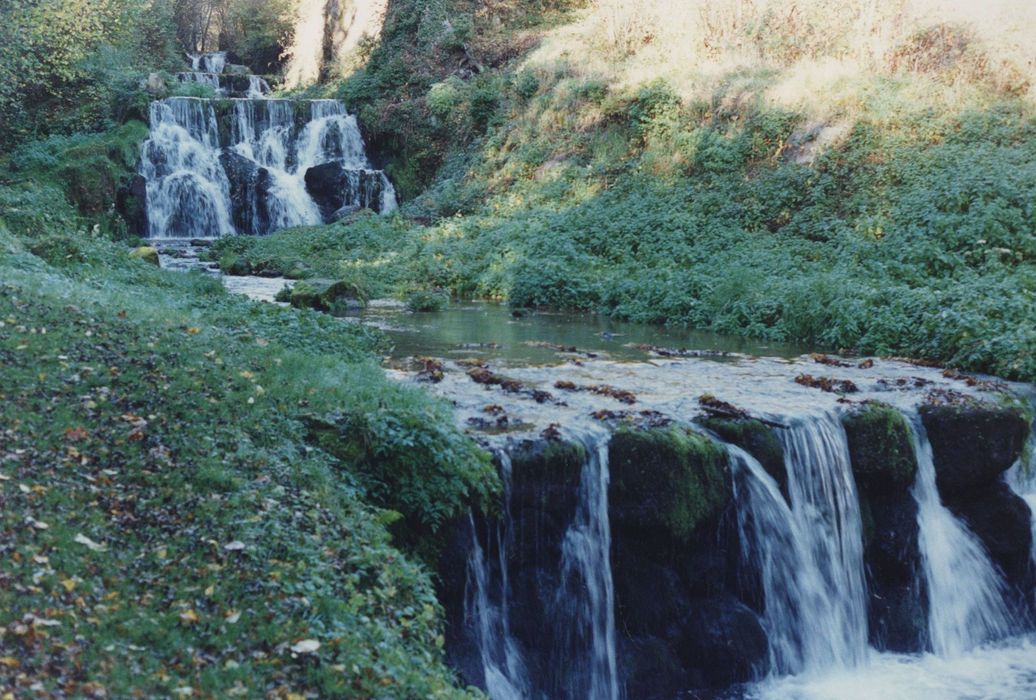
point(828, 59)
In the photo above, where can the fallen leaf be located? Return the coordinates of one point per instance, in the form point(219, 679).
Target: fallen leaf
point(235, 546)
point(188, 617)
point(194, 330)
point(9, 662)
point(69, 584)
point(306, 646)
point(38, 524)
point(93, 546)
point(76, 434)
point(233, 616)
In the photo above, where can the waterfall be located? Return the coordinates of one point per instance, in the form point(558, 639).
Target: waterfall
point(505, 671)
point(577, 606)
point(965, 591)
point(188, 193)
point(809, 552)
point(252, 164)
point(585, 603)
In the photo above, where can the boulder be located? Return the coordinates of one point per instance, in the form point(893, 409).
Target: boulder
point(973, 445)
point(1003, 522)
point(337, 189)
point(725, 642)
point(331, 296)
point(881, 450)
point(670, 480)
point(155, 84)
point(758, 440)
point(148, 254)
point(249, 193)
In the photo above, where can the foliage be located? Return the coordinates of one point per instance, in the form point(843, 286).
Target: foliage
point(72, 65)
point(423, 300)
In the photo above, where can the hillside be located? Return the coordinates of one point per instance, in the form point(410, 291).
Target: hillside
point(862, 185)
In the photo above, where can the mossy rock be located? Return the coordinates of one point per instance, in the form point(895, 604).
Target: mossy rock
point(235, 265)
point(670, 479)
point(331, 296)
point(880, 449)
point(146, 253)
point(298, 271)
point(545, 476)
point(973, 444)
point(755, 438)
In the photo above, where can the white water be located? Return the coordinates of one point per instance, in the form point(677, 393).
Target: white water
point(189, 190)
point(997, 672)
point(809, 552)
point(965, 591)
point(585, 603)
point(188, 194)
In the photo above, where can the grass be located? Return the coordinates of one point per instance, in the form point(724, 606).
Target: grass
point(166, 521)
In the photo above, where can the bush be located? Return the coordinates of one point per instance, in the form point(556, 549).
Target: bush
point(427, 300)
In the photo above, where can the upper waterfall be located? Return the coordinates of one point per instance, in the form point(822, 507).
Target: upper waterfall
point(252, 164)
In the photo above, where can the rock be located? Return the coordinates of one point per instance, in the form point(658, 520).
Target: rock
point(725, 642)
point(235, 265)
point(155, 84)
point(1002, 521)
point(148, 254)
point(335, 187)
point(131, 204)
point(669, 479)
point(897, 608)
point(249, 193)
point(331, 296)
point(758, 440)
point(973, 445)
point(297, 271)
point(881, 449)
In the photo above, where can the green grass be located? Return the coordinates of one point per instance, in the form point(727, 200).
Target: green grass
point(163, 419)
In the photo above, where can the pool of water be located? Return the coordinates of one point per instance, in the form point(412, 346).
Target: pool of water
point(489, 330)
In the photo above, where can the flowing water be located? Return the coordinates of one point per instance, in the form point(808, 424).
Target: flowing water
point(965, 591)
point(246, 165)
point(809, 551)
point(487, 604)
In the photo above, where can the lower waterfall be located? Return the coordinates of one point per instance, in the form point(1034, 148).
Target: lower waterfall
point(965, 591)
point(808, 550)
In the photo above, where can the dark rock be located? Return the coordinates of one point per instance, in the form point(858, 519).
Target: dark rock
point(249, 193)
point(973, 445)
point(131, 204)
point(672, 480)
point(331, 296)
point(1002, 521)
point(235, 265)
point(725, 642)
point(881, 450)
point(335, 187)
point(897, 607)
point(758, 440)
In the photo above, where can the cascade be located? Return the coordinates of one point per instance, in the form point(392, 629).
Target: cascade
point(577, 607)
point(965, 591)
point(585, 603)
point(487, 608)
point(808, 549)
point(252, 164)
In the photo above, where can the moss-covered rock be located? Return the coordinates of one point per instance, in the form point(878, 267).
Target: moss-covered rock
point(331, 296)
point(146, 253)
point(672, 479)
point(880, 448)
point(755, 438)
point(235, 265)
point(973, 444)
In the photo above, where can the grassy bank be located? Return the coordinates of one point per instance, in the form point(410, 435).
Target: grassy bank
point(170, 525)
